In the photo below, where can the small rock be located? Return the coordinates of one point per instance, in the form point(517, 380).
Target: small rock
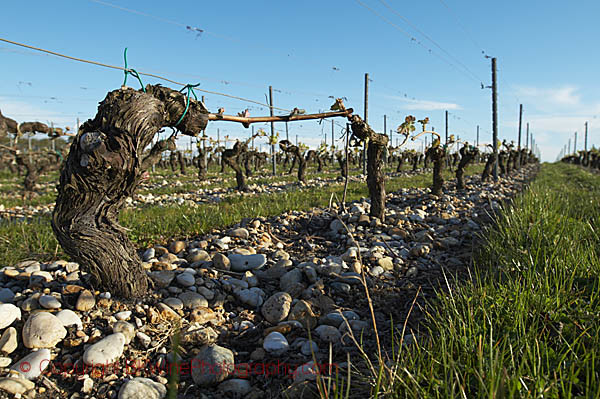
point(289, 280)
point(257, 354)
point(162, 278)
point(277, 307)
point(124, 315)
point(241, 263)
point(8, 314)
point(275, 344)
point(145, 340)
point(142, 388)
point(88, 385)
point(106, 351)
point(197, 255)
point(85, 301)
point(328, 334)
point(193, 300)
point(6, 295)
point(198, 334)
point(148, 254)
point(336, 226)
point(212, 365)
point(303, 313)
point(305, 372)
point(203, 315)
point(364, 220)
point(174, 303)
point(386, 263)
point(166, 312)
point(30, 304)
point(412, 272)
point(176, 247)
point(221, 261)
point(39, 278)
point(377, 271)
point(32, 365)
point(341, 287)
point(252, 297)
point(8, 341)
point(43, 330)
point(235, 387)
point(125, 328)
point(448, 242)
point(70, 318)
point(239, 233)
point(186, 279)
point(16, 386)
point(350, 255)
point(308, 347)
point(206, 293)
point(419, 250)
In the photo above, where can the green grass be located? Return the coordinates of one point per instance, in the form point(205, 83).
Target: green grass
point(155, 224)
point(527, 324)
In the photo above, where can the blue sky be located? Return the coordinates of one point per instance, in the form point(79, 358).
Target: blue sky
point(544, 49)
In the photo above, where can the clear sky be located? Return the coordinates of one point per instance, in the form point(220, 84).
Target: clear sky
point(423, 57)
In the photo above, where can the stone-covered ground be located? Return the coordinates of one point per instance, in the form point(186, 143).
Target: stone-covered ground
point(244, 310)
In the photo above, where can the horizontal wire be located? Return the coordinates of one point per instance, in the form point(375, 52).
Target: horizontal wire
point(141, 73)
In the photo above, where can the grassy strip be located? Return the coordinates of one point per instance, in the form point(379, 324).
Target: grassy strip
point(527, 323)
point(155, 224)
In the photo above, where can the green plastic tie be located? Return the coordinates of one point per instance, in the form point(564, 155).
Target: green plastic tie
point(131, 71)
point(190, 89)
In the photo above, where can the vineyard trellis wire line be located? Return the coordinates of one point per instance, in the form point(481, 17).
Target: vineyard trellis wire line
point(412, 38)
point(455, 16)
point(141, 73)
point(430, 39)
point(104, 65)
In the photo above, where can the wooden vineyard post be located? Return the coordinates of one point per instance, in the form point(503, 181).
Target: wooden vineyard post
point(446, 127)
point(346, 177)
point(365, 143)
point(520, 122)
point(585, 137)
point(332, 137)
point(495, 119)
point(274, 162)
point(385, 158)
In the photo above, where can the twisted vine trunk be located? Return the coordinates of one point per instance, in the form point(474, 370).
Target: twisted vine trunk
point(501, 162)
point(104, 166)
point(247, 159)
point(400, 163)
point(287, 147)
point(343, 165)
point(375, 153)
point(319, 163)
point(487, 169)
point(438, 156)
point(230, 158)
point(240, 179)
point(293, 165)
point(201, 163)
point(415, 162)
point(466, 156)
point(181, 160)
